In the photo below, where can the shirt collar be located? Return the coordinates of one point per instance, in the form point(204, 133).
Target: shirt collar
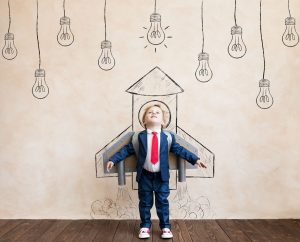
point(149, 131)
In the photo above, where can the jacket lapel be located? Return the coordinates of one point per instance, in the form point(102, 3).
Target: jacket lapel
point(163, 144)
point(143, 136)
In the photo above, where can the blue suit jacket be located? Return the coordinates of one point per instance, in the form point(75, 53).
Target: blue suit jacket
point(175, 148)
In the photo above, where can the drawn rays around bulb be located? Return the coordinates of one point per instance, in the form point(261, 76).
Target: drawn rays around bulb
point(9, 50)
point(155, 35)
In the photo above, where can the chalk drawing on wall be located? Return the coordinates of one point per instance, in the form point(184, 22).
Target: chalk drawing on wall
point(9, 51)
point(236, 48)
point(65, 36)
point(156, 35)
point(106, 60)
point(290, 37)
point(264, 100)
point(122, 207)
point(203, 72)
point(40, 89)
point(157, 87)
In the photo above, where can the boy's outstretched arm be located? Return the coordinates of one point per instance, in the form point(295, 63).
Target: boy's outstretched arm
point(179, 150)
point(122, 154)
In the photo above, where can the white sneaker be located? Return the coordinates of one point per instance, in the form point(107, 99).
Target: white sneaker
point(166, 233)
point(144, 233)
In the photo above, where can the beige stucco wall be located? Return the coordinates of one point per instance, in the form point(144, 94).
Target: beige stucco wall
point(47, 167)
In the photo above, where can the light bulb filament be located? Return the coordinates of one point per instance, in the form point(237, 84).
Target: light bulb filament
point(106, 60)
point(290, 35)
point(236, 46)
point(9, 50)
point(203, 71)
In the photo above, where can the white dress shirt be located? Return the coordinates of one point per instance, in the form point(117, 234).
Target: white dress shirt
point(148, 164)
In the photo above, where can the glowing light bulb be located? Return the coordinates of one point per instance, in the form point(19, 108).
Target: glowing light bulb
point(65, 36)
point(155, 35)
point(203, 72)
point(106, 60)
point(264, 99)
point(290, 36)
point(9, 50)
point(236, 47)
point(40, 89)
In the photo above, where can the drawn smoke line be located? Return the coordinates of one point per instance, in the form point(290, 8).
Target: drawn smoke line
point(290, 37)
point(183, 206)
point(264, 100)
point(203, 72)
point(9, 51)
point(106, 60)
point(156, 33)
point(236, 48)
point(122, 207)
point(152, 88)
point(65, 36)
point(40, 89)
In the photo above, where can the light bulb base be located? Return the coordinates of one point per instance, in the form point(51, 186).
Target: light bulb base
point(264, 83)
point(39, 73)
point(155, 17)
point(236, 30)
point(290, 21)
point(9, 36)
point(203, 56)
point(65, 20)
point(105, 44)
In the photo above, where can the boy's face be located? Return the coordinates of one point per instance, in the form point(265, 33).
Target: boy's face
point(154, 116)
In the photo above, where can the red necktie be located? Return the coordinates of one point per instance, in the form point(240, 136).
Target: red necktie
point(154, 151)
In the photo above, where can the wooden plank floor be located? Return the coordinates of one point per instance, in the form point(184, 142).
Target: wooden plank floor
point(264, 230)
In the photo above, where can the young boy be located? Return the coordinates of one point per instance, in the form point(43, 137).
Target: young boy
point(153, 169)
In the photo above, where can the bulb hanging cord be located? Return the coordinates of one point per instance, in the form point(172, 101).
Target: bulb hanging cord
point(37, 31)
point(105, 19)
point(154, 6)
point(235, 12)
point(9, 17)
point(64, 8)
point(262, 43)
point(289, 8)
point(202, 27)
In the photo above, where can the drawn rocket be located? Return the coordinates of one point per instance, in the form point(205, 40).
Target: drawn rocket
point(156, 87)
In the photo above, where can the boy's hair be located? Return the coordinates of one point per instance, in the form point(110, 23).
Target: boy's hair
point(154, 105)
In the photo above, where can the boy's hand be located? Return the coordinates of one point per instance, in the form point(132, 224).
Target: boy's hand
point(201, 164)
point(109, 165)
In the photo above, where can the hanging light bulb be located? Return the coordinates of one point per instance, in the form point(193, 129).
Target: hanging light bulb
point(203, 72)
point(236, 47)
point(290, 36)
point(65, 36)
point(155, 35)
point(106, 60)
point(264, 99)
point(40, 89)
point(9, 50)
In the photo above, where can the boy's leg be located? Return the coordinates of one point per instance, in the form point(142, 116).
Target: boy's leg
point(162, 193)
point(145, 200)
